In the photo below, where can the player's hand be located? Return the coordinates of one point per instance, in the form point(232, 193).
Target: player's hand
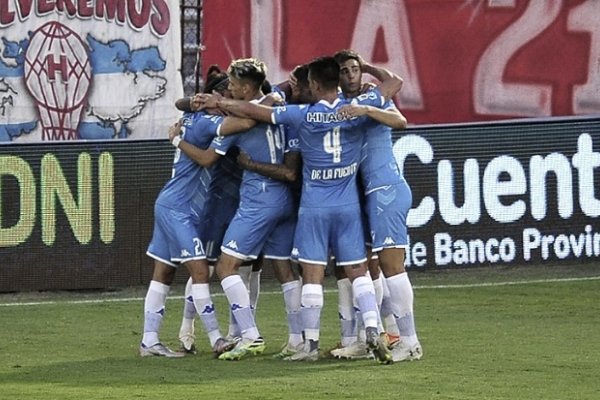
point(244, 160)
point(272, 99)
point(292, 78)
point(367, 86)
point(208, 101)
point(195, 102)
point(174, 130)
point(353, 110)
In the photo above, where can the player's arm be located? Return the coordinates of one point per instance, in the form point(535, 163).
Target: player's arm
point(287, 172)
point(243, 118)
point(390, 83)
point(232, 125)
point(238, 108)
point(205, 158)
point(391, 117)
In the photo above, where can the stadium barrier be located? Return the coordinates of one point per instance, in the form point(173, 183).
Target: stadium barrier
point(79, 215)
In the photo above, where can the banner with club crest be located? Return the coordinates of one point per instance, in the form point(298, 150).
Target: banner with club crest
point(81, 70)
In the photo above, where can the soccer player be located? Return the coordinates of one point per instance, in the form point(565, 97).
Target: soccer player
point(265, 219)
point(177, 237)
point(329, 215)
point(296, 92)
point(388, 197)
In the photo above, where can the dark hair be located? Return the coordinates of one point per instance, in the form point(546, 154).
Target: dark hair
point(266, 87)
point(216, 82)
point(250, 69)
point(344, 55)
point(301, 74)
point(326, 71)
point(213, 69)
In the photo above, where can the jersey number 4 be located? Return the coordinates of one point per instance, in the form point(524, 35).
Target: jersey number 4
point(332, 144)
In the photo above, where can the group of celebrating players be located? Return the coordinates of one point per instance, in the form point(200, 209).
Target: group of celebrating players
point(236, 197)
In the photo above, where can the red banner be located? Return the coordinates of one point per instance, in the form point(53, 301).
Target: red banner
point(462, 60)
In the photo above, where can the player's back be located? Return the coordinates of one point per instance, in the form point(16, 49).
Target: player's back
point(264, 143)
point(184, 190)
point(378, 165)
point(330, 147)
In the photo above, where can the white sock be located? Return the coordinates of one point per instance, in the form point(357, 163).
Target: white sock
point(154, 310)
point(292, 295)
point(387, 315)
point(189, 311)
point(206, 311)
point(312, 304)
point(237, 295)
point(254, 288)
point(244, 272)
point(346, 312)
point(402, 296)
point(364, 293)
point(378, 286)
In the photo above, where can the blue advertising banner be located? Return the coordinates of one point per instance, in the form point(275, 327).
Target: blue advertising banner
point(79, 215)
point(88, 70)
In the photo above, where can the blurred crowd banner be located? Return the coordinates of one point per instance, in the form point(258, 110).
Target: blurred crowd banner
point(79, 215)
point(462, 60)
point(100, 69)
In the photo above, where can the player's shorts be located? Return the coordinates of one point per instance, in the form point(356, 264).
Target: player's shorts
point(215, 225)
point(175, 237)
point(387, 209)
point(321, 228)
point(256, 229)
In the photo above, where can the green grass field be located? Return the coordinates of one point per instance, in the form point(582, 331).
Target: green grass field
point(536, 340)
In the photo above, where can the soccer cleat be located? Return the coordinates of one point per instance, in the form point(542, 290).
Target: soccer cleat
point(222, 345)
point(379, 346)
point(303, 355)
point(159, 350)
point(187, 343)
point(402, 352)
point(243, 348)
point(392, 340)
point(355, 351)
point(288, 350)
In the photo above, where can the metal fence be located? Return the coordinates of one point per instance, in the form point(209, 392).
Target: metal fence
point(191, 39)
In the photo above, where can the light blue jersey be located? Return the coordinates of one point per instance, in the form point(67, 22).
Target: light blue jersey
point(264, 143)
point(265, 219)
point(179, 208)
point(223, 201)
point(330, 146)
point(378, 165)
point(184, 189)
point(329, 215)
point(387, 195)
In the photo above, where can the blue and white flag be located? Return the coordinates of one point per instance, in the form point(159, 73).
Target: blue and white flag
point(88, 70)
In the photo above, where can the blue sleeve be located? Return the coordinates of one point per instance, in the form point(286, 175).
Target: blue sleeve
point(201, 128)
point(290, 115)
point(223, 143)
point(292, 141)
point(372, 97)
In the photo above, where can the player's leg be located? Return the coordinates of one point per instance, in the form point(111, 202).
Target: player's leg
point(310, 312)
point(154, 310)
point(187, 337)
point(311, 250)
point(346, 310)
point(350, 253)
point(388, 221)
point(158, 289)
point(200, 274)
point(402, 298)
point(239, 302)
point(292, 296)
point(387, 314)
point(254, 282)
